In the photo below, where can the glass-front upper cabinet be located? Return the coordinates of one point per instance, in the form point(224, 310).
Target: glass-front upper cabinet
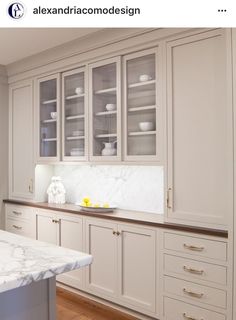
point(74, 115)
point(48, 118)
point(105, 110)
point(142, 106)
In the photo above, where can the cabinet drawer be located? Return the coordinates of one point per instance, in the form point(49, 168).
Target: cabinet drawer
point(21, 227)
point(177, 310)
point(195, 292)
point(18, 212)
point(195, 269)
point(196, 246)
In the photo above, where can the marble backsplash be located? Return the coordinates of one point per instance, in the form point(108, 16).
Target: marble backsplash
point(127, 187)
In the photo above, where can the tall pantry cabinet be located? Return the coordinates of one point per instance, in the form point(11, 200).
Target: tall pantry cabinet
point(21, 163)
point(199, 112)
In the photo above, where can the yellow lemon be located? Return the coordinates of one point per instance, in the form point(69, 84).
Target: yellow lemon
point(86, 200)
point(96, 205)
point(106, 205)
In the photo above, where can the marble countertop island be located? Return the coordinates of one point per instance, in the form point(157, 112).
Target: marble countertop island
point(24, 261)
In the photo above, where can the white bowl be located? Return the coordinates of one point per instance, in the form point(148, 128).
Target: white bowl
point(79, 90)
point(146, 126)
point(144, 77)
point(110, 106)
point(53, 115)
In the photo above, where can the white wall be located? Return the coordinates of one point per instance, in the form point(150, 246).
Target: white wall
point(3, 138)
point(128, 187)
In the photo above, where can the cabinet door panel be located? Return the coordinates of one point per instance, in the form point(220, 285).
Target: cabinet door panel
point(21, 141)
point(137, 267)
point(70, 236)
point(46, 229)
point(101, 243)
point(199, 129)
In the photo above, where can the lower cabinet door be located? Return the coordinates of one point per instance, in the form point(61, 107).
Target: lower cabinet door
point(70, 236)
point(101, 243)
point(46, 229)
point(137, 267)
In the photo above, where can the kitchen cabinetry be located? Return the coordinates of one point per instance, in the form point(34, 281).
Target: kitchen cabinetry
point(65, 231)
point(21, 164)
point(75, 115)
point(105, 110)
point(142, 100)
point(48, 119)
point(200, 159)
point(20, 220)
point(195, 272)
point(124, 266)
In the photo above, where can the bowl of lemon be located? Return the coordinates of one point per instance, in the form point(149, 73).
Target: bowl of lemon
point(89, 206)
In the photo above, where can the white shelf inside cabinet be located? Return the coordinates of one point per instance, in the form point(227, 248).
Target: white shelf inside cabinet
point(107, 135)
point(106, 113)
point(142, 133)
point(75, 138)
point(143, 108)
point(49, 121)
point(79, 116)
point(141, 84)
point(49, 101)
point(109, 91)
point(49, 139)
point(141, 94)
point(75, 96)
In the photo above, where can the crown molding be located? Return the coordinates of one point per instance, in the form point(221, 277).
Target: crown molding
point(75, 47)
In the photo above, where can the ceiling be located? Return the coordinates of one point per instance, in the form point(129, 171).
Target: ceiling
point(20, 43)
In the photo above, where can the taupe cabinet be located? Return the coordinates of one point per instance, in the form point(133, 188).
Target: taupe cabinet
point(21, 156)
point(200, 129)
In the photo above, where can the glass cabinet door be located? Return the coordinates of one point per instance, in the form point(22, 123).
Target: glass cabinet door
point(74, 115)
point(141, 105)
point(105, 118)
point(49, 118)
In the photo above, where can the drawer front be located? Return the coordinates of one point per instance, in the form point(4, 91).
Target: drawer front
point(195, 269)
point(177, 310)
point(18, 212)
point(196, 246)
point(21, 227)
point(195, 292)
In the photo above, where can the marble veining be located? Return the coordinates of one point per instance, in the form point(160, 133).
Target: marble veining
point(23, 260)
point(137, 188)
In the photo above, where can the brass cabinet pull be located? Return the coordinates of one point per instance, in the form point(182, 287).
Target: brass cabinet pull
point(114, 232)
point(189, 317)
point(117, 233)
point(31, 186)
point(16, 227)
point(193, 248)
point(191, 270)
point(17, 212)
point(193, 294)
point(55, 221)
point(168, 201)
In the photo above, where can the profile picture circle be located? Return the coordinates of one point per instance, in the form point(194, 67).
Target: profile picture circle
point(16, 10)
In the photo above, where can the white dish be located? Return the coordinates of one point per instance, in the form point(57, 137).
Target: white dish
point(144, 77)
point(110, 107)
point(146, 126)
point(99, 209)
point(77, 152)
point(77, 133)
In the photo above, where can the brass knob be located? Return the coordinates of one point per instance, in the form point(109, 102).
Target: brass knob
point(117, 233)
point(114, 232)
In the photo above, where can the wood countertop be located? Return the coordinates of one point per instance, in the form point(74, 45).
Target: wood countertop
point(148, 219)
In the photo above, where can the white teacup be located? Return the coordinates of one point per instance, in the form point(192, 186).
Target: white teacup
point(79, 90)
point(53, 115)
point(144, 77)
point(110, 106)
